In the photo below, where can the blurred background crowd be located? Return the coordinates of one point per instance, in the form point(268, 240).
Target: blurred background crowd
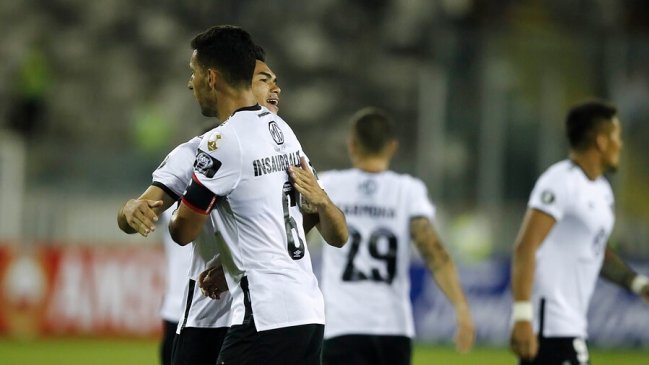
point(93, 95)
point(96, 92)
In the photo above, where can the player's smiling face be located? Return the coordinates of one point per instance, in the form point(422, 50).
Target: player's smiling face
point(200, 85)
point(265, 88)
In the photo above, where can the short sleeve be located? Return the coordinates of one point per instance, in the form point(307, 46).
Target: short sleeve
point(550, 194)
point(175, 171)
point(218, 161)
point(420, 205)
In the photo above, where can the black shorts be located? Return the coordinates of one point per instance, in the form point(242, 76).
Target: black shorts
point(560, 351)
point(367, 350)
point(198, 346)
point(295, 345)
point(166, 344)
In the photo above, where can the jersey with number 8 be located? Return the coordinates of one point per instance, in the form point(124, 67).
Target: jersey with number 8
point(244, 162)
point(366, 283)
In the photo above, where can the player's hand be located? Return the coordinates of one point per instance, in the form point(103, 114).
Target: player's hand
point(465, 332)
point(140, 215)
point(212, 282)
point(523, 342)
point(306, 184)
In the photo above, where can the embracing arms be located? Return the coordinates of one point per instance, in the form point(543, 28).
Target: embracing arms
point(322, 212)
point(140, 215)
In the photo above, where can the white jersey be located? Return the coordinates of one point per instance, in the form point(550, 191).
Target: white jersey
point(177, 259)
point(569, 260)
point(173, 176)
point(244, 163)
point(366, 284)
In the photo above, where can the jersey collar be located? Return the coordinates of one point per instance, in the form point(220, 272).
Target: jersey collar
point(251, 108)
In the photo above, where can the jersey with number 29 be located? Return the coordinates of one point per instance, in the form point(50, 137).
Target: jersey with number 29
point(569, 260)
point(366, 284)
point(243, 163)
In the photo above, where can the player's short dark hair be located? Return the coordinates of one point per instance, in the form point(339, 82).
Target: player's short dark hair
point(372, 130)
point(585, 120)
point(260, 54)
point(230, 49)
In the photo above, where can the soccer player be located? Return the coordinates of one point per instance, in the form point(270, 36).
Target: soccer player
point(366, 284)
point(177, 261)
point(205, 321)
point(250, 175)
point(561, 247)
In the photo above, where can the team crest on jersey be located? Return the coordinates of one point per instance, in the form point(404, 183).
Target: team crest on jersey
point(547, 197)
point(367, 187)
point(206, 164)
point(211, 143)
point(276, 132)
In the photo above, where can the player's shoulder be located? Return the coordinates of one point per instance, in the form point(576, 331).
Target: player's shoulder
point(180, 153)
point(277, 125)
point(560, 170)
point(339, 175)
point(404, 179)
point(190, 145)
point(220, 139)
point(564, 175)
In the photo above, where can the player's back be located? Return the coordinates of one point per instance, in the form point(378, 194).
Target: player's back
point(366, 283)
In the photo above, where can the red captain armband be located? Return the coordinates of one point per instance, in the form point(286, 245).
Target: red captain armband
point(199, 198)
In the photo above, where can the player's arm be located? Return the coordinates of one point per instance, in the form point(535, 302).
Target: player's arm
point(329, 219)
point(139, 215)
point(618, 272)
point(195, 206)
point(441, 265)
point(535, 227)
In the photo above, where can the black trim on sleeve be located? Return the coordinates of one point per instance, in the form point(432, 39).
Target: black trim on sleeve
point(419, 216)
point(198, 197)
point(166, 190)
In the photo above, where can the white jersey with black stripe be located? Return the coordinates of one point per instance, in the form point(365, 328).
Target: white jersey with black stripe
point(173, 176)
point(569, 260)
point(177, 263)
point(244, 163)
point(366, 284)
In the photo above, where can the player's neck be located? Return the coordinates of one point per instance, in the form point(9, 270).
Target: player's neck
point(371, 164)
point(232, 100)
point(589, 161)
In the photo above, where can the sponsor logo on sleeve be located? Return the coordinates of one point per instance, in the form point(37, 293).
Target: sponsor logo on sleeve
point(547, 197)
point(206, 164)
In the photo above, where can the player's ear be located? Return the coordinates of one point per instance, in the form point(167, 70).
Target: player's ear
point(352, 147)
point(601, 141)
point(213, 77)
point(392, 147)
